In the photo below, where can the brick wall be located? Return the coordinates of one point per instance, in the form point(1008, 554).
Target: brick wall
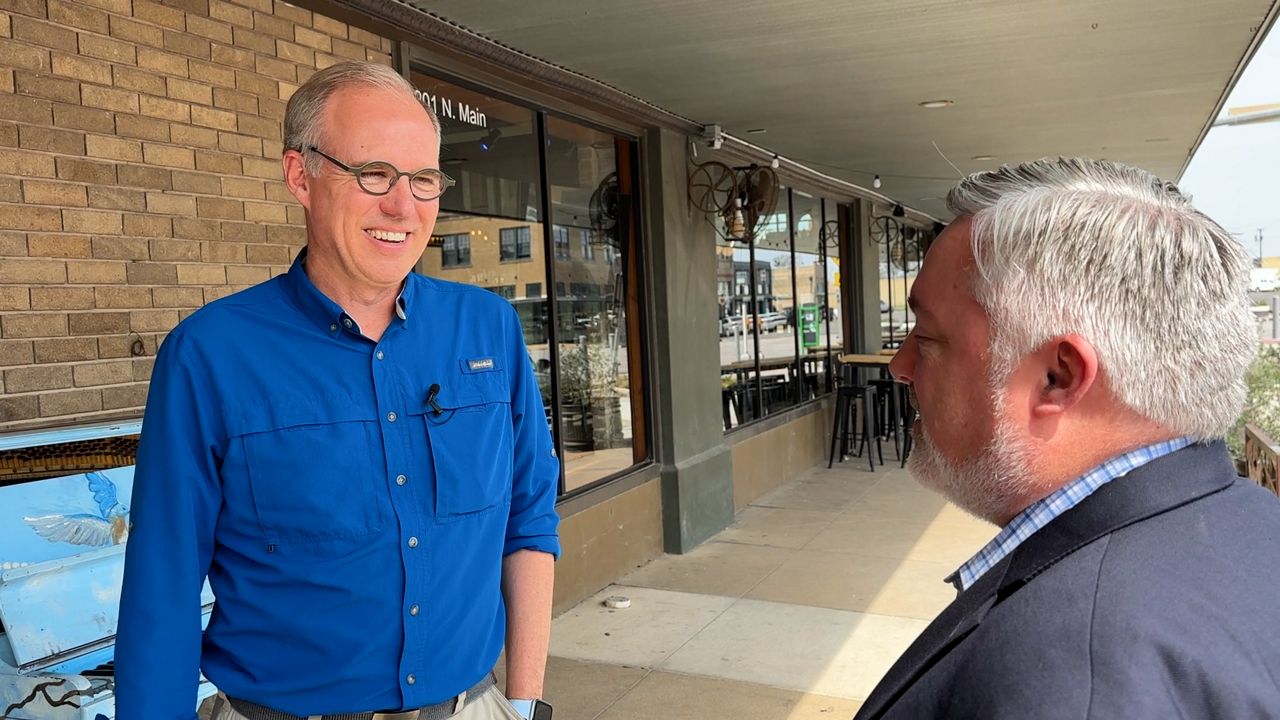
point(139, 179)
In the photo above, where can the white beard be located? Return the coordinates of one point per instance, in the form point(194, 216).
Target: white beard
point(985, 485)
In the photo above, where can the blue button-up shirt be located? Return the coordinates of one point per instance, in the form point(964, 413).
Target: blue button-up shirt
point(1041, 512)
point(351, 502)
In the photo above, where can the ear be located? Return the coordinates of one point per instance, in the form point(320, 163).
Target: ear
point(1069, 368)
point(296, 178)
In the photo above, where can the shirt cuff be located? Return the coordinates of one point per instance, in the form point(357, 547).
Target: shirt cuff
point(524, 707)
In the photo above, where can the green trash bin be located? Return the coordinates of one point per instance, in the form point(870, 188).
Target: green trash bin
point(810, 328)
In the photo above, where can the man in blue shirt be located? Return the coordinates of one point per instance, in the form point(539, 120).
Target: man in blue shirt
point(356, 456)
point(1081, 341)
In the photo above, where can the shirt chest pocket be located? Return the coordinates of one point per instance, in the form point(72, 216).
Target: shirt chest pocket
point(316, 477)
point(469, 429)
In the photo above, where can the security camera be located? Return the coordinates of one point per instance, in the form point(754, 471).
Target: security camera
point(713, 136)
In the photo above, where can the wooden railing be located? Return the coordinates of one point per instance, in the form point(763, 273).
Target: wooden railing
point(1260, 458)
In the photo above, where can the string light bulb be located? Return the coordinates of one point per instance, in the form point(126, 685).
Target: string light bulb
point(875, 182)
point(775, 162)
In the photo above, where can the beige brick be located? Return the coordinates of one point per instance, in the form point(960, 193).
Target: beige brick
point(83, 118)
point(191, 7)
point(19, 407)
point(115, 198)
point(13, 244)
point(142, 368)
point(82, 68)
point(175, 250)
point(38, 32)
point(16, 352)
point(168, 156)
point(158, 14)
point(18, 108)
point(216, 75)
point(124, 101)
point(190, 45)
point(222, 252)
point(265, 212)
point(6, 83)
point(262, 168)
point(161, 61)
point(295, 53)
point(145, 177)
point(5, 28)
point(61, 298)
point(57, 245)
point(34, 8)
point(152, 273)
point(263, 6)
point(121, 248)
point(113, 149)
point(265, 22)
point(196, 183)
point(192, 92)
point(313, 39)
point(177, 297)
point(119, 7)
point(70, 402)
point(23, 271)
point(348, 50)
point(164, 108)
point(108, 49)
point(247, 274)
point(364, 37)
point(37, 378)
point(214, 30)
point(78, 15)
point(152, 320)
point(329, 26)
point(217, 293)
point(242, 144)
point(85, 171)
point(147, 225)
point(33, 325)
point(191, 228)
point(288, 235)
point(59, 350)
point(234, 14)
point(24, 217)
point(45, 192)
point(29, 57)
point(98, 323)
point(143, 128)
point(210, 117)
point(10, 192)
point(228, 99)
point(92, 222)
point(8, 134)
point(243, 188)
point(122, 297)
point(119, 397)
point(122, 346)
point(202, 274)
point(144, 80)
point(260, 127)
point(257, 84)
point(222, 208)
point(232, 56)
point(245, 232)
point(169, 204)
point(278, 69)
point(191, 136)
point(95, 272)
point(217, 162)
point(277, 192)
point(136, 32)
point(67, 142)
point(292, 13)
point(14, 162)
point(296, 215)
point(44, 85)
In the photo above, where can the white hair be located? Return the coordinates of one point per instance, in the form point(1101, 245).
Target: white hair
point(1120, 257)
point(304, 115)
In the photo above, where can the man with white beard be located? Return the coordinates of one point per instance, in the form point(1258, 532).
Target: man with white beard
point(1081, 341)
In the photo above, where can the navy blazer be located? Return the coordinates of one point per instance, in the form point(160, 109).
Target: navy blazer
point(1158, 596)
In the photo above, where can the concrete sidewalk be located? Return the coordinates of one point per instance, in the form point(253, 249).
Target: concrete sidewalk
point(795, 611)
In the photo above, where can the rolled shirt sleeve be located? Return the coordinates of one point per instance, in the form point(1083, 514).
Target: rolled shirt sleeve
point(533, 521)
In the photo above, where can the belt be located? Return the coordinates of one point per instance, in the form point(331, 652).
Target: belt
point(439, 711)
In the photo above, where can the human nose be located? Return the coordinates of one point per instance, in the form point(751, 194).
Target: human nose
point(903, 364)
point(399, 200)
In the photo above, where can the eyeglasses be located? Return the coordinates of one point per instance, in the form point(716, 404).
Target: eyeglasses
point(378, 177)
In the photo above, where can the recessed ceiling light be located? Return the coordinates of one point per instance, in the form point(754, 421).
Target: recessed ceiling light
point(937, 103)
point(983, 157)
point(757, 131)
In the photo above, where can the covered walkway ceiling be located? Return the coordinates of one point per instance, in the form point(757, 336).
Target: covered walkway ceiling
point(838, 85)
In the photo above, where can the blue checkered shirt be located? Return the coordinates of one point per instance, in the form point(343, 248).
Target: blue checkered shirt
point(1039, 513)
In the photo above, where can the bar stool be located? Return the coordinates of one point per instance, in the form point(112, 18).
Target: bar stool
point(888, 410)
point(847, 397)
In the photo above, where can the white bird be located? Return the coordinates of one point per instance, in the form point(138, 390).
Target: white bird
point(109, 527)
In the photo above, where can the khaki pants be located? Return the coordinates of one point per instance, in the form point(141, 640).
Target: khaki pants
point(490, 705)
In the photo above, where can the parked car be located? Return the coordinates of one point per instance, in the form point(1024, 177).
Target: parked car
point(730, 325)
point(768, 322)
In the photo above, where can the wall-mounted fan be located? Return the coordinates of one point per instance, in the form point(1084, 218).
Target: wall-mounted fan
point(736, 201)
point(604, 207)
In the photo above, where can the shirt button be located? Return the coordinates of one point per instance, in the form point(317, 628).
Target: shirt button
point(413, 542)
point(378, 354)
point(400, 479)
point(333, 327)
point(413, 609)
point(410, 679)
point(391, 417)
point(346, 322)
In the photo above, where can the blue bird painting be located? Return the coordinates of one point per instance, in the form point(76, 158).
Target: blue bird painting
point(109, 527)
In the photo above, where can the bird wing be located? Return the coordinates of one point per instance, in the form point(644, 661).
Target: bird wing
point(104, 492)
point(78, 529)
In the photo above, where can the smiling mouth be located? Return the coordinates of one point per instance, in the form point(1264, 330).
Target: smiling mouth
point(388, 236)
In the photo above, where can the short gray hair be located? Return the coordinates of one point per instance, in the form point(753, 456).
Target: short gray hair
point(1121, 257)
point(304, 115)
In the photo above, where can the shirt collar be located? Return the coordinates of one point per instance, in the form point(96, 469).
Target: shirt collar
point(1040, 513)
point(324, 312)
